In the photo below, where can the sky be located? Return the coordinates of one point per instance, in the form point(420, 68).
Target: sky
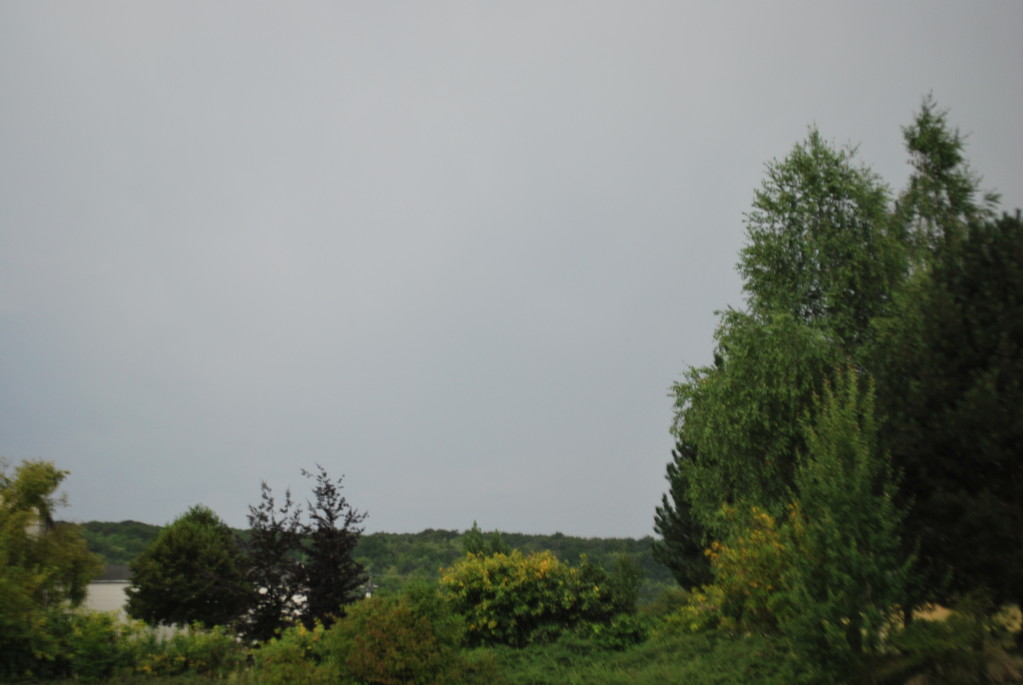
point(456, 252)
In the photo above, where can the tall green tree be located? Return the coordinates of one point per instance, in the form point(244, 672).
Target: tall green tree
point(943, 196)
point(820, 243)
point(192, 571)
point(820, 263)
point(950, 373)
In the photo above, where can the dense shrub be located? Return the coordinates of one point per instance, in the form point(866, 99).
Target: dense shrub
point(623, 631)
point(847, 572)
point(699, 613)
point(748, 570)
point(297, 655)
point(410, 638)
point(515, 599)
point(213, 652)
point(65, 644)
point(748, 577)
point(89, 646)
point(97, 645)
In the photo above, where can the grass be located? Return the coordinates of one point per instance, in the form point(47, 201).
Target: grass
point(693, 659)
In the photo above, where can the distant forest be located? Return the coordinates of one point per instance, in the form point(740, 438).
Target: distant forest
point(394, 559)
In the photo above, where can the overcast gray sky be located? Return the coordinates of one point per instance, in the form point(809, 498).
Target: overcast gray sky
point(456, 251)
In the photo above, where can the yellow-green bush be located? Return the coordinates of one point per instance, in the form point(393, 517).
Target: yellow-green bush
point(515, 599)
point(700, 612)
point(748, 570)
point(297, 655)
point(748, 579)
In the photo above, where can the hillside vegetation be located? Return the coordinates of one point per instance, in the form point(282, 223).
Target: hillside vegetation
point(395, 559)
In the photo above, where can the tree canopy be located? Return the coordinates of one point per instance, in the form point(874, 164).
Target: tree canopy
point(44, 564)
point(193, 571)
point(741, 416)
point(787, 462)
point(820, 245)
point(951, 373)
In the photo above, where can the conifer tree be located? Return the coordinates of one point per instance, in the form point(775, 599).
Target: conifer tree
point(683, 539)
point(332, 576)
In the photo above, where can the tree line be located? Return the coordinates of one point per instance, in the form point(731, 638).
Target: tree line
point(393, 560)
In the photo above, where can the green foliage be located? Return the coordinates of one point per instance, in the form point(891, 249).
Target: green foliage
point(413, 637)
point(397, 559)
point(742, 415)
point(44, 566)
point(667, 602)
point(193, 571)
point(622, 632)
point(819, 245)
point(42, 562)
point(82, 645)
point(951, 378)
point(624, 582)
point(297, 655)
point(925, 296)
point(95, 645)
point(748, 570)
point(701, 611)
point(695, 659)
point(118, 543)
point(90, 646)
point(940, 201)
point(846, 574)
point(683, 539)
point(515, 599)
point(748, 585)
point(949, 373)
point(476, 542)
point(195, 650)
point(393, 644)
point(394, 560)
